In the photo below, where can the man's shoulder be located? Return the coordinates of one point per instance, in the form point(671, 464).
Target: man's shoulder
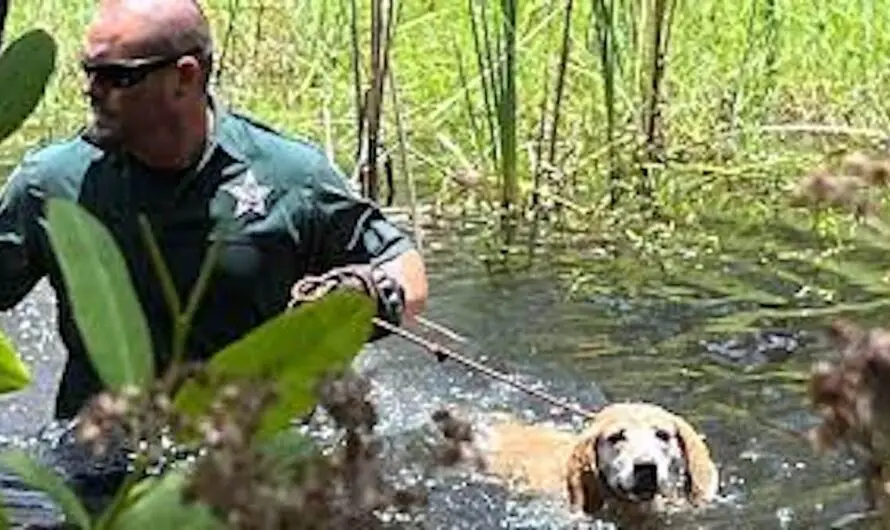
point(63, 159)
point(295, 158)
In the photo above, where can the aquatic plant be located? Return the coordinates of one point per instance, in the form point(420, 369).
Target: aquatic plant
point(631, 41)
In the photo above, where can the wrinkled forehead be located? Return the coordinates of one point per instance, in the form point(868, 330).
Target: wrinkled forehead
point(113, 35)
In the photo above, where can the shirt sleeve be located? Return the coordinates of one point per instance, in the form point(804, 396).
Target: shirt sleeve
point(350, 228)
point(20, 212)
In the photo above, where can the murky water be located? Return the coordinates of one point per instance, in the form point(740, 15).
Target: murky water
point(588, 349)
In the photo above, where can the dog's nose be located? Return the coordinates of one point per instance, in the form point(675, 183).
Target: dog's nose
point(645, 479)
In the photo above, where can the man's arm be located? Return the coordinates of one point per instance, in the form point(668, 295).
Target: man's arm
point(349, 230)
point(409, 271)
point(20, 218)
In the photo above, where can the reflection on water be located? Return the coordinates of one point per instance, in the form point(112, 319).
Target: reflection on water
point(740, 389)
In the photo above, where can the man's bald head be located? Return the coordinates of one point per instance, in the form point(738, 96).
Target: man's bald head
point(149, 54)
point(134, 28)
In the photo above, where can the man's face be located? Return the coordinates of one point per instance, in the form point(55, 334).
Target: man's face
point(130, 92)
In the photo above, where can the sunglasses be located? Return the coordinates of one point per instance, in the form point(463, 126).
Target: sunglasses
point(126, 73)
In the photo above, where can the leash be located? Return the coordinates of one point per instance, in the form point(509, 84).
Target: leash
point(442, 353)
point(310, 288)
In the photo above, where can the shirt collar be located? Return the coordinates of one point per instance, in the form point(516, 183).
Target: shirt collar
point(220, 133)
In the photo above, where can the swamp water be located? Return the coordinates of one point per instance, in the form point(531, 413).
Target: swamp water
point(585, 348)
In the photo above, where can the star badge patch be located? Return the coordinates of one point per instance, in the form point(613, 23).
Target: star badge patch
point(250, 195)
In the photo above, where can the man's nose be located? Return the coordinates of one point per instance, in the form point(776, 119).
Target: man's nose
point(94, 87)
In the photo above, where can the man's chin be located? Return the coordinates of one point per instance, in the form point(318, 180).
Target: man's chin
point(103, 135)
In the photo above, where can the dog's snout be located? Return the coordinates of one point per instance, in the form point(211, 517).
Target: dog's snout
point(645, 479)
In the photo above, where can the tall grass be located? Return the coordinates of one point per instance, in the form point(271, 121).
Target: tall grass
point(659, 19)
point(369, 100)
point(605, 23)
point(494, 44)
point(548, 136)
point(631, 39)
point(706, 108)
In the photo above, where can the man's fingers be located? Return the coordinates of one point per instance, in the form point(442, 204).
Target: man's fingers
point(313, 288)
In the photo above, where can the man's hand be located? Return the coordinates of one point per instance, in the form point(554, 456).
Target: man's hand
point(312, 288)
point(374, 282)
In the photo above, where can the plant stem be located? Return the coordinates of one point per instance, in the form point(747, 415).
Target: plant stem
point(560, 79)
point(403, 159)
point(357, 78)
point(182, 321)
point(163, 272)
point(604, 23)
point(653, 128)
point(475, 131)
point(227, 39)
point(507, 120)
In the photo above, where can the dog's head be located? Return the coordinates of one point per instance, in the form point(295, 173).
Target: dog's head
point(635, 452)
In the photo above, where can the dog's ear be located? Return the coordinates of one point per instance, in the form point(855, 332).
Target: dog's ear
point(702, 477)
point(583, 481)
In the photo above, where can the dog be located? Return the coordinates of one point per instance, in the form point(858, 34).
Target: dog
point(631, 463)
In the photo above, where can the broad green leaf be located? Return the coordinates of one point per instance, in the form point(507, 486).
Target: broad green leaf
point(294, 350)
point(105, 306)
point(25, 68)
point(44, 480)
point(160, 505)
point(4, 521)
point(14, 374)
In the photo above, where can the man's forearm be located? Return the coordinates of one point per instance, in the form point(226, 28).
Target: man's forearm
point(399, 286)
point(408, 269)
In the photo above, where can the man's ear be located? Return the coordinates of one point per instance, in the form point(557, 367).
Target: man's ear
point(189, 75)
point(583, 481)
point(702, 477)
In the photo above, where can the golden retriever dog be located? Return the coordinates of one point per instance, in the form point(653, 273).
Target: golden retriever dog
point(629, 464)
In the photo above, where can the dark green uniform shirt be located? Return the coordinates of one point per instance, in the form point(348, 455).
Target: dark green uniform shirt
point(289, 213)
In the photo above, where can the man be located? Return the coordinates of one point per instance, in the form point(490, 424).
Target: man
point(161, 145)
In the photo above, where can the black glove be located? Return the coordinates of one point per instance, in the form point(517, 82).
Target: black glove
point(372, 281)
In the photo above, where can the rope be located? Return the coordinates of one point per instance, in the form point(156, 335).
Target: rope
point(442, 353)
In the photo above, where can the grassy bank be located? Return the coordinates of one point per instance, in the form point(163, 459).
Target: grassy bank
point(754, 93)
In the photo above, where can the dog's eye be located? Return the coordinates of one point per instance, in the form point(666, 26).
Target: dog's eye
point(662, 435)
point(614, 438)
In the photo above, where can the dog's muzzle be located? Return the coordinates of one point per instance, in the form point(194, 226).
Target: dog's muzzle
point(645, 481)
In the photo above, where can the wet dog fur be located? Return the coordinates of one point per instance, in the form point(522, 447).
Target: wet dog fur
point(629, 464)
